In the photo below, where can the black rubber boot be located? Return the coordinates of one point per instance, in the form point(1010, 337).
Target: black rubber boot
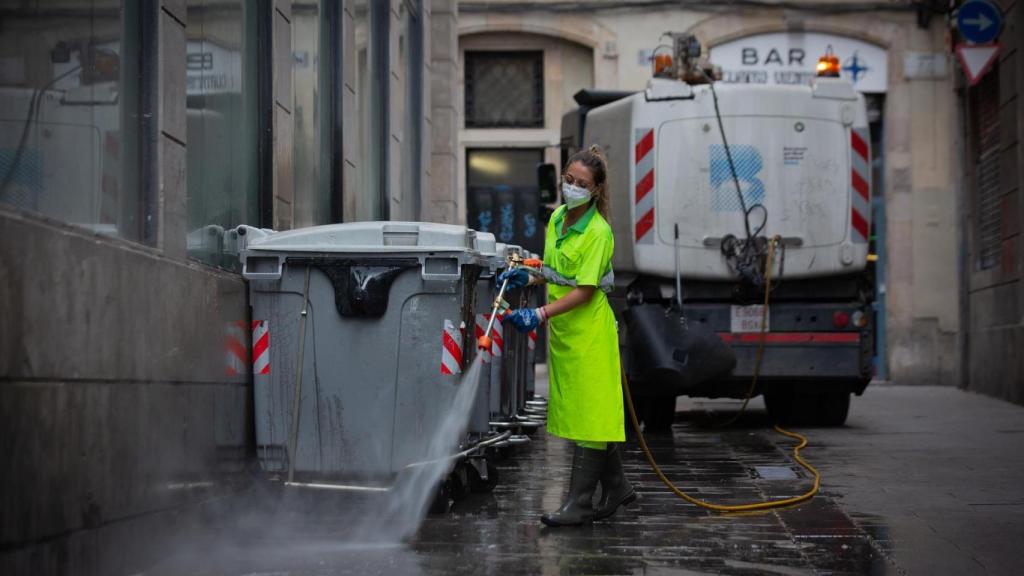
point(615, 489)
point(578, 508)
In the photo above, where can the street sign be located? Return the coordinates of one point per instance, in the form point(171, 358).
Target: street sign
point(977, 60)
point(979, 21)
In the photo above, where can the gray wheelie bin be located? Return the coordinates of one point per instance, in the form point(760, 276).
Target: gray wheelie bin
point(536, 407)
point(516, 346)
point(509, 368)
point(479, 423)
point(497, 263)
point(362, 323)
point(533, 300)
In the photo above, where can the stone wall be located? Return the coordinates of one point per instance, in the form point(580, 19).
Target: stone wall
point(443, 202)
point(117, 417)
point(119, 420)
point(995, 305)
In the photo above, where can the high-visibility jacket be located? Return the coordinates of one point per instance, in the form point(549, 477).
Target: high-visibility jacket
point(585, 400)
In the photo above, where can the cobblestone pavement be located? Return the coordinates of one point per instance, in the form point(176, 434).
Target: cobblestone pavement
point(921, 481)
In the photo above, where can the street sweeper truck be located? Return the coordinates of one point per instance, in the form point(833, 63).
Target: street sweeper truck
point(742, 224)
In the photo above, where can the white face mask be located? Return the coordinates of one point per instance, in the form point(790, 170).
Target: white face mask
point(574, 195)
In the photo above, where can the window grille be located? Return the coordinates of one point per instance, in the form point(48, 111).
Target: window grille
point(504, 89)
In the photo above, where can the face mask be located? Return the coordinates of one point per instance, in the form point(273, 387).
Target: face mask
point(574, 195)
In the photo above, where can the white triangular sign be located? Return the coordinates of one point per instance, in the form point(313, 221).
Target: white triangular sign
point(977, 60)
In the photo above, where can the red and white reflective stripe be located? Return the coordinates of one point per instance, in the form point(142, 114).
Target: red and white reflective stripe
point(260, 347)
point(497, 335)
point(643, 187)
point(236, 356)
point(860, 185)
point(451, 349)
point(531, 340)
point(481, 325)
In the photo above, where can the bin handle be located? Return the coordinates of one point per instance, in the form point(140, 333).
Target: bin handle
point(261, 275)
point(428, 276)
point(440, 276)
point(250, 275)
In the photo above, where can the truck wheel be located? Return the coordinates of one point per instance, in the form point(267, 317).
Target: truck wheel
point(786, 405)
point(778, 400)
point(833, 407)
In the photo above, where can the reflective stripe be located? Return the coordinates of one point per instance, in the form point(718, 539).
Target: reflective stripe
point(451, 349)
point(607, 283)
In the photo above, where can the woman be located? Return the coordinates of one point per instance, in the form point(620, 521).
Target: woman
point(585, 396)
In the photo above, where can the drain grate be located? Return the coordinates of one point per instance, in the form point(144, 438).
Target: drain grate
point(774, 473)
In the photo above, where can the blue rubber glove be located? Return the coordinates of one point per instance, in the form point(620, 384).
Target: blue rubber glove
point(525, 319)
point(517, 278)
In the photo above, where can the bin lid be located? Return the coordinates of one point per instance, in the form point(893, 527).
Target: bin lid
point(371, 237)
point(486, 244)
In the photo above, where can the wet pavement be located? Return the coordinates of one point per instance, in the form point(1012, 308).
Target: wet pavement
point(921, 481)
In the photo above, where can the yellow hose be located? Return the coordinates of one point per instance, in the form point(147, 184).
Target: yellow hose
point(757, 368)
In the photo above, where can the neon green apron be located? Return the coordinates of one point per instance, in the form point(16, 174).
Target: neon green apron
point(583, 351)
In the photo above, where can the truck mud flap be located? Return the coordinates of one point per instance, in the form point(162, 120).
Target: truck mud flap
point(670, 356)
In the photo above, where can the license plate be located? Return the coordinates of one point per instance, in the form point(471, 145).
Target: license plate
point(748, 319)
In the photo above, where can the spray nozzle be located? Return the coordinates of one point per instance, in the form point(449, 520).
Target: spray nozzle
point(514, 260)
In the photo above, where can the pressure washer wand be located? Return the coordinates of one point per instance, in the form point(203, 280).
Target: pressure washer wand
point(515, 261)
point(484, 341)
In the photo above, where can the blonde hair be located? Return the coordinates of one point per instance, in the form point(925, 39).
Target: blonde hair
point(595, 161)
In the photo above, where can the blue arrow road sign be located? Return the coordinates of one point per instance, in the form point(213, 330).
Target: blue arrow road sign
point(979, 22)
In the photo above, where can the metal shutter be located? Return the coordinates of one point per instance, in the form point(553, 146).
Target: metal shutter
point(984, 103)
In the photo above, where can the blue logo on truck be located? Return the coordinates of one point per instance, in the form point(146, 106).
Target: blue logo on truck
point(748, 164)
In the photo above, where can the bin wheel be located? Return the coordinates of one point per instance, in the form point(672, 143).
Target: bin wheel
point(440, 504)
point(459, 483)
point(503, 453)
point(478, 484)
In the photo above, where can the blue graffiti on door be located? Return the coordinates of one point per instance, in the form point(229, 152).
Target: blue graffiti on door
point(748, 162)
point(507, 228)
point(529, 225)
point(484, 221)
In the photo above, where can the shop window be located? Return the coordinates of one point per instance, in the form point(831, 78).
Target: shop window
point(504, 89)
point(221, 96)
point(985, 145)
point(315, 69)
point(408, 97)
point(69, 116)
point(370, 99)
